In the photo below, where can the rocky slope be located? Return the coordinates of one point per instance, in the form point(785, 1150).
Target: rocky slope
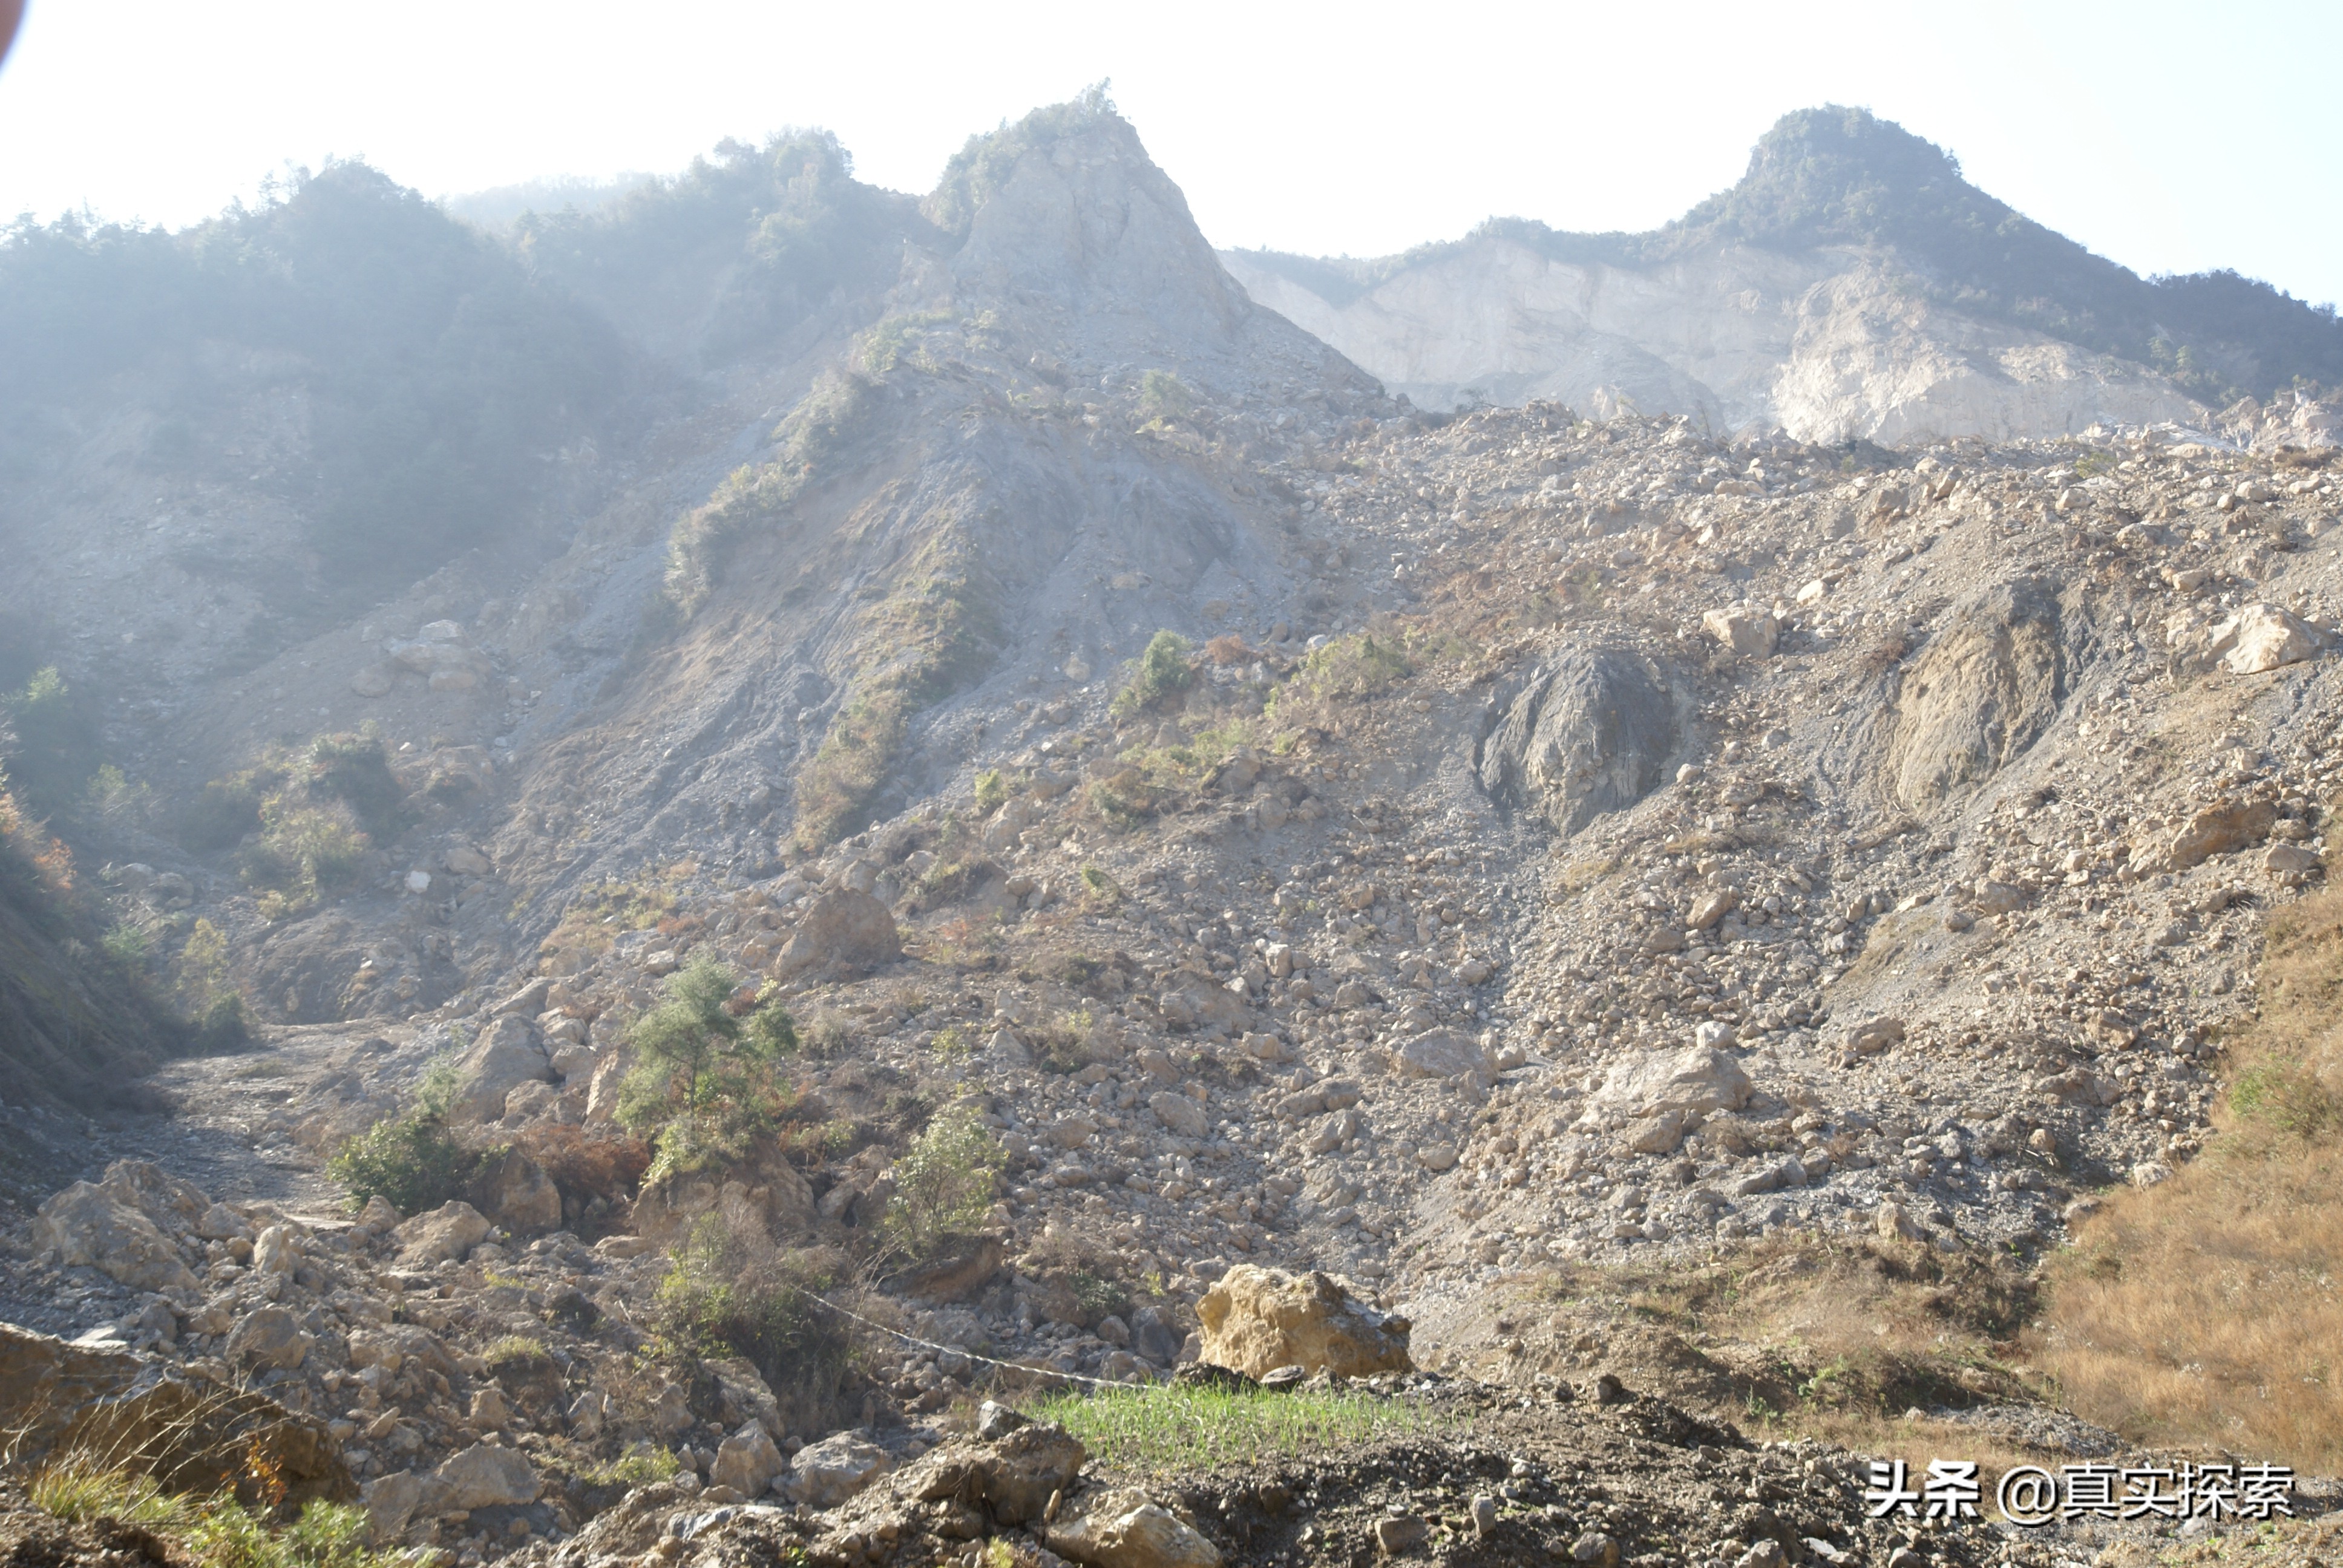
point(1295, 829)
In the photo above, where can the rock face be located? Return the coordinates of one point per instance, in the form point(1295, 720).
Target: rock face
point(845, 931)
point(1978, 694)
point(1256, 1319)
point(1593, 735)
point(2219, 829)
point(1127, 1529)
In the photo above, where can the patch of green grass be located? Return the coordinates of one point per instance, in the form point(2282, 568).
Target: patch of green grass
point(1164, 1425)
point(78, 1489)
point(642, 1466)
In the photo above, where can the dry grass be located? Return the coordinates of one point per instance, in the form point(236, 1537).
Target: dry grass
point(2204, 1311)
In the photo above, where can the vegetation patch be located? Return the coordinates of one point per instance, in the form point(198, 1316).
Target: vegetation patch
point(1162, 668)
point(944, 1185)
point(706, 1084)
point(2201, 1311)
point(414, 1161)
point(1167, 1426)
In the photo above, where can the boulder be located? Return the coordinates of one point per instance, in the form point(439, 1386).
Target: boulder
point(2261, 638)
point(1256, 1319)
point(1012, 1476)
point(442, 1236)
point(1445, 1053)
point(747, 1460)
point(2220, 829)
point(1179, 1114)
point(1127, 1529)
point(1696, 1079)
point(515, 1192)
point(507, 1055)
point(1874, 1035)
point(1593, 735)
point(845, 931)
point(1195, 1000)
point(1743, 630)
point(89, 1227)
point(1710, 908)
point(268, 1340)
point(826, 1474)
point(484, 1476)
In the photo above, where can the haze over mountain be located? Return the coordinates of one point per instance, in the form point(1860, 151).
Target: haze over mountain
point(1852, 283)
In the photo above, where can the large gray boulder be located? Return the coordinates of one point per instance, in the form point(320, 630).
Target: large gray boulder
point(1592, 734)
point(845, 931)
point(1698, 1078)
point(507, 1054)
point(88, 1226)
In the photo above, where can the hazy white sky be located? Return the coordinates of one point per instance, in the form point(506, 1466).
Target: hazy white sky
point(2171, 137)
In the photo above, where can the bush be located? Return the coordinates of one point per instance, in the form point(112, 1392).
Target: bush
point(1159, 671)
point(943, 1183)
point(1162, 395)
point(991, 790)
point(706, 1084)
point(1358, 665)
point(731, 1293)
point(55, 748)
point(838, 784)
point(412, 1162)
point(354, 769)
point(219, 1533)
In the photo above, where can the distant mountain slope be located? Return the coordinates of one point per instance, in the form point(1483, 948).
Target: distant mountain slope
point(1852, 283)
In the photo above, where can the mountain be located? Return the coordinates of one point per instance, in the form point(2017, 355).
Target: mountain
point(1852, 283)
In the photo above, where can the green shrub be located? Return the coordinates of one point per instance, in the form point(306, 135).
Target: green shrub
point(706, 1084)
point(352, 769)
point(844, 776)
point(727, 1294)
point(1358, 665)
point(991, 790)
point(127, 944)
point(412, 1162)
point(54, 749)
point(222, 811)
point(1158, 673)
point(1162, 395)
point(943, 1183)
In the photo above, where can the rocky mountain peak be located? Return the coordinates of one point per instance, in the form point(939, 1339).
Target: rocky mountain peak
point(1066, 210)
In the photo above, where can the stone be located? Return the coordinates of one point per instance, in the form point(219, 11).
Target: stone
point(1660, 1134)
point(2220, 829)
point(1874, 1035)
point(1256, 1319)
point(1742, 631)
point(1594, 1550)
point(1709, 909)
point(2261, 638)
point(1699, 1079)
point(507, 1055)
point(1765, 1553)
point(2290, 860)
point(444, 1235)
point(1445, 1053)
point(486, 1475)
point(374, 680)
point(515, 1192)
point(1715, 1032)
point(1484, 1515)
point(748, 1461)
point(268, 1340)
point(90, 1228)
point(1152, 1337)
point(845, 932)
point(1593, 735)
point(1999, 898)
point(1400, 1534)
point(1437, 1156)
point(1127, 1529)
point(1893, 1222)
point(490, 1411)
point(826, 1474)
point(1179, 1114)
point(275, 1250)
point(221, 1223)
